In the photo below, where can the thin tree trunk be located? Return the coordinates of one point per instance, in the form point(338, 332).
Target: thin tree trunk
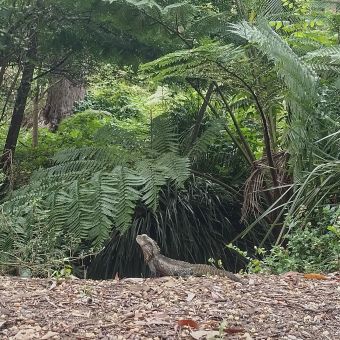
point(35, 129)
point(237, 126)
point(20, 104)
point(3, 67)
point(229, 132)
point(9, 93)
point(200, 116)
point(272, 129)
point(266, 133)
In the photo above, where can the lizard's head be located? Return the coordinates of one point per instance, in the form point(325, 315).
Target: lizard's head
point(148, 245)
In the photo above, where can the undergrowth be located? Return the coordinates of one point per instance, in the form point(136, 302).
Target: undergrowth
point(311, 247)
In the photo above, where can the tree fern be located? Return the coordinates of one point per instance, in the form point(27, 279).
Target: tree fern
point(175, 168)
point(324, 59)
point(90, 192)
point(301, 82)
point(201, 62)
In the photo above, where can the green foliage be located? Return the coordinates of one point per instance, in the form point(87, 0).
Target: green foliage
point(113, 91)
point(325, 60)
point(311, 247)
point(202, 62)
point(35, 245)
point(207, 138)
point(78, 130)
point(119, 165)
point(90, 192)
point(301, 83)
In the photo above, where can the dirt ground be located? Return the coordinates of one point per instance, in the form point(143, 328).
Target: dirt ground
point(266, 307)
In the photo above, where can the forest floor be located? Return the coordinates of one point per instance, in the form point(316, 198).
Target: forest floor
point(289, 306)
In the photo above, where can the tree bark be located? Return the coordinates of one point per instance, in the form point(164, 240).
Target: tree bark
point(61, 98)
point(35, 117)
point(3, 66)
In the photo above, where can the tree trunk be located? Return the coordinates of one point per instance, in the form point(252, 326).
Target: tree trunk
point(200, 116)
point(20, 104)
point(35, 117)
point(61, 98)
point(9, 94)
point(2, 71)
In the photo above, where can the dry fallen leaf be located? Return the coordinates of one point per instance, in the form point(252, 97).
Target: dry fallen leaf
point(216, 296)
point(190, 296)
point(315, 276)
point(53, 285)
point(188, 322)
point(170, 283)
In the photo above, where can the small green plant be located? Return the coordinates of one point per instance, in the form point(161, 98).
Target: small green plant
point(255, 265)
point(64, 272)
point(222, 327)
point(216, 263)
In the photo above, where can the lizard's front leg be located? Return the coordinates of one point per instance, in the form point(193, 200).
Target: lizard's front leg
point(152, 268)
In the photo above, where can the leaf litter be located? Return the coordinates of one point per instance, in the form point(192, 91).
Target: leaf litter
point(289, 306)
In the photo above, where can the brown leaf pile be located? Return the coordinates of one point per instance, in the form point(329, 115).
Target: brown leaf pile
point(267, 307)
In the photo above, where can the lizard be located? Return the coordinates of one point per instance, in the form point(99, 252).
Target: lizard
point(165, 266)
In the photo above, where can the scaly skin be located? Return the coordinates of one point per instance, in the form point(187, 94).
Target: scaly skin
point(164, 266)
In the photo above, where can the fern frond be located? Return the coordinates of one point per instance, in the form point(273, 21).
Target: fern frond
point(154, 178)
point(126, 183)
point(299, 78)
point(163, 137)
point(324, 59)
point(175, 167)
point(72, 170)
point(215, 23)
point(202, 144)
point(102, 194)
point(200, 62)
point(86, 153)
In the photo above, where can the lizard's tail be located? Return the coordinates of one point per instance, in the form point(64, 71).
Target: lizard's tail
point(203, 269)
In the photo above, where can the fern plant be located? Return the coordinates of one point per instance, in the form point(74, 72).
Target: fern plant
point(302, 84)
point(89, 192)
